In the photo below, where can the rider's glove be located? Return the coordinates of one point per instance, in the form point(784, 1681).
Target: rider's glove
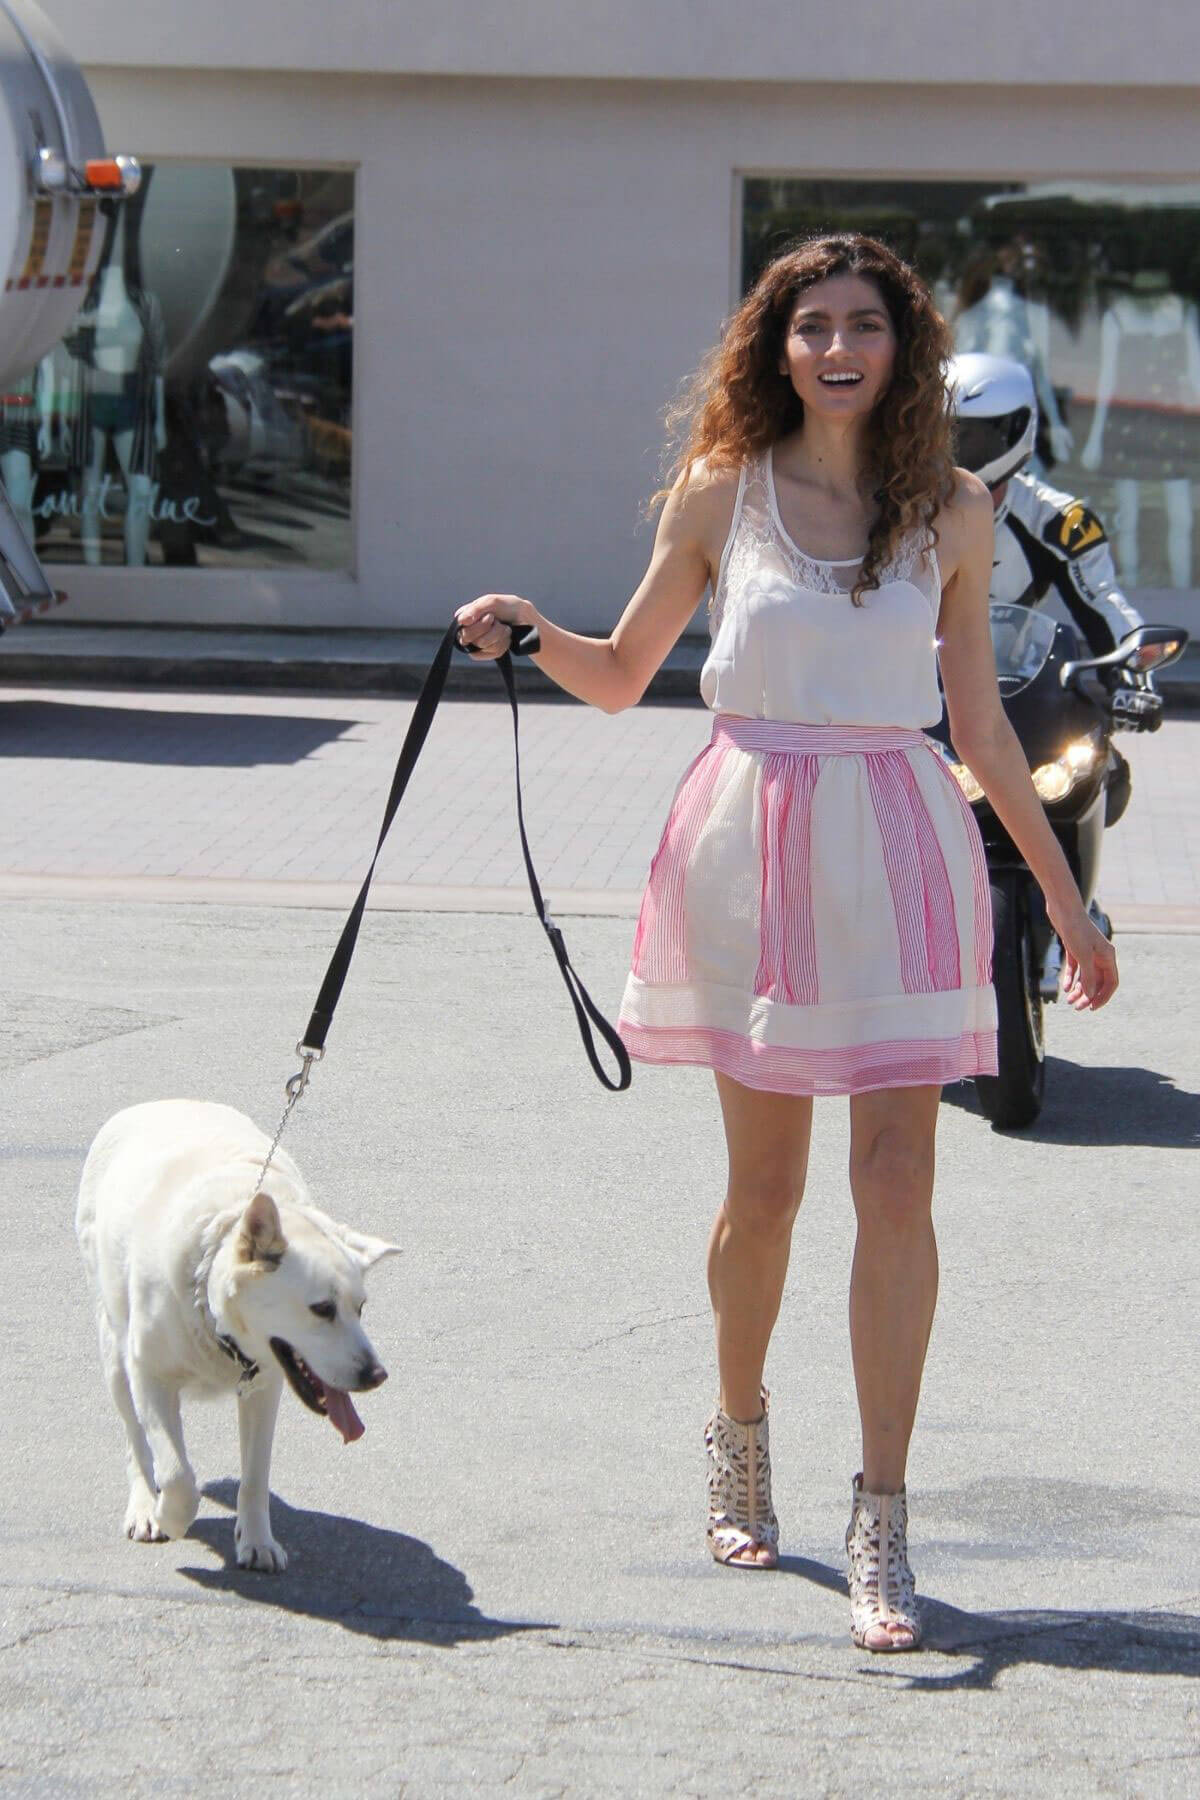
point(1137, 709)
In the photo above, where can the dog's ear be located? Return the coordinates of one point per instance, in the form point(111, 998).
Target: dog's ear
point(260, 1236)
point(365, 1250)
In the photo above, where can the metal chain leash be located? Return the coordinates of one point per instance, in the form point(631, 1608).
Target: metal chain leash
point(294, 1088)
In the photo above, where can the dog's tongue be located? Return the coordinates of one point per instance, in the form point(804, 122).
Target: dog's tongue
point(339, 1409)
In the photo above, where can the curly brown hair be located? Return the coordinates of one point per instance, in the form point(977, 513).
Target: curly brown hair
point(738, 404)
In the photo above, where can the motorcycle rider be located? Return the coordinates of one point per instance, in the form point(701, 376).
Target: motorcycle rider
point(1045, 539)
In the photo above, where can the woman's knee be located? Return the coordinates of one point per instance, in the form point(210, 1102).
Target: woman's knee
point(891, 1177)
point(764, 1201)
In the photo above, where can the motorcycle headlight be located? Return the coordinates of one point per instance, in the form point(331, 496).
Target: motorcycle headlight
point(1080, 757)
point(1054, 780)
point(966, 781)
point(960, 772)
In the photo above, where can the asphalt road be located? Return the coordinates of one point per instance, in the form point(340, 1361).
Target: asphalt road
point(503, 1587)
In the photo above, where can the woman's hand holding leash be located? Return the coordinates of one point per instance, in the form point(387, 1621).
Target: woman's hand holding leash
point(486, 627)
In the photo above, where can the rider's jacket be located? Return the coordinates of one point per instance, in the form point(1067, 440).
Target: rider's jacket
point(1044, 540)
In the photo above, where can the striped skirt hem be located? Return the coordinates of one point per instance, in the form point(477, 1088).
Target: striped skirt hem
point(788, 1069)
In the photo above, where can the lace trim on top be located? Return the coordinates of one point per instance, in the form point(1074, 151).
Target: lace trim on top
point(755, 530)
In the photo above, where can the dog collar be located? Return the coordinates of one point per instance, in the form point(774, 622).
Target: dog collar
point(225, 1342)
point(236, 1354)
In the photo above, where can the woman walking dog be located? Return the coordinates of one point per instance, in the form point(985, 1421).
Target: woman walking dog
point(817, 915)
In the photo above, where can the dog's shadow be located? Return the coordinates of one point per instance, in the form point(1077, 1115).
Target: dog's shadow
point(378, 1583)
point(1138, 1642)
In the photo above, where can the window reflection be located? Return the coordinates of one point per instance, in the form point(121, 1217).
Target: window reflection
point(1094, 286)
point(198, 413)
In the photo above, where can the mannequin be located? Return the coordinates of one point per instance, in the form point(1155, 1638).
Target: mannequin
point(121, 342)
point(1002, 321)
point(25, 420)
point(1149, 445)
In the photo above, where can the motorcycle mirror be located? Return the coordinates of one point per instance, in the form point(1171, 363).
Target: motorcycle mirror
point(1149, 647)
point(1156, 656)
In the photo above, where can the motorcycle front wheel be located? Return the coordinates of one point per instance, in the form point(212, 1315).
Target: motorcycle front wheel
point(1014, 1096)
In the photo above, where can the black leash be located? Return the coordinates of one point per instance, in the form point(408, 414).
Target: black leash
point(312, 1046)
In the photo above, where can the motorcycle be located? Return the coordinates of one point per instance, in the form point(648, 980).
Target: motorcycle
point(1064, 707)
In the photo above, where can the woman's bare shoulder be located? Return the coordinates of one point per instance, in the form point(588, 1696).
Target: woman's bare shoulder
point(701, 502)
point(965, 519)
point(969, 500)
point(706, 482)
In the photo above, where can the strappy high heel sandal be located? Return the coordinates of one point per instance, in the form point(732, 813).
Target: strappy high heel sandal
point(741, 1519)
point(884, 1615)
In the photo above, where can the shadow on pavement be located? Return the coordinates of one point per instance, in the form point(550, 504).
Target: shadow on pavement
point(60, 730)
point(1112, 1106)
point(377, 1583)
point(1135, 1643)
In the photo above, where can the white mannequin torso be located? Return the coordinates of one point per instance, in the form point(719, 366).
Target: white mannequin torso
point(999, 324)
point(119, 331)
point(1150, 318)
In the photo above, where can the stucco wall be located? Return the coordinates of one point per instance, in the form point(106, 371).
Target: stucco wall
point(538, 264)
point(1069, 43)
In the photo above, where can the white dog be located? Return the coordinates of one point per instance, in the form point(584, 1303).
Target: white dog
point(205, 1281)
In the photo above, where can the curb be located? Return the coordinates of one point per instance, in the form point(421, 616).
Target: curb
point(1130, 919)
point(293, 675)
point(387, 663)
point(403, 673)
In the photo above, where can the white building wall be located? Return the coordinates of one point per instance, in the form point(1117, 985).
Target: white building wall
point(540, 262)
point(1070, 43)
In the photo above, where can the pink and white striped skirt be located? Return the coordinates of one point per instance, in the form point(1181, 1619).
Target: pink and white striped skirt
point(818, 916)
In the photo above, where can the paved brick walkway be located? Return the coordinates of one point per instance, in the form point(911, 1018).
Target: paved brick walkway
point(282, 788)
point(286, 791)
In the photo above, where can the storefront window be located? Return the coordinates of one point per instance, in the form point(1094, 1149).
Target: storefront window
point(198, 413)
point(1094, 286)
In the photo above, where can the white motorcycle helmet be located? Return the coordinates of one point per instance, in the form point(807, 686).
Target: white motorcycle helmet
point(995, 415)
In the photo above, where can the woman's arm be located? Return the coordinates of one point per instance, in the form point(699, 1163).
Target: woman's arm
point(614, 672)
point(986, 742)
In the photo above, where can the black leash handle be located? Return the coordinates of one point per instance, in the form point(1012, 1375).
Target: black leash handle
point(587, 1013)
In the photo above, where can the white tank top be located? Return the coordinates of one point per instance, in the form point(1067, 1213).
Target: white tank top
point(788, 641)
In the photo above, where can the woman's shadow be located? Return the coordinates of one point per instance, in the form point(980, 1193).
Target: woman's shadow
point(379, 1583)
point(1140, 1642)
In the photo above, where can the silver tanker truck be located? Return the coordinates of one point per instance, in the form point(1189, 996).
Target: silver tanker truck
point(58, 188)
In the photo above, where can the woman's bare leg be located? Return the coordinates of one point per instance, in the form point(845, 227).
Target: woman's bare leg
point(767, 1136)
point(893, 1284)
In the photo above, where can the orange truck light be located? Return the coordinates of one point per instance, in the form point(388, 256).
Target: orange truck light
point(112, 174)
